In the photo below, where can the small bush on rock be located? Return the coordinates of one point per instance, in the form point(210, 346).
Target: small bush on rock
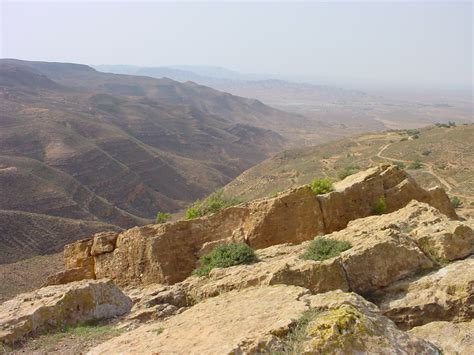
point(380, 206)
point(212, 204)
point(456, 202)
point(321, 186)
point(162, 217)
point(347, 171)
point(323, 248)
point(225, 255)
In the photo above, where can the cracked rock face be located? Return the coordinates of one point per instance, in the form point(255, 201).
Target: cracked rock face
point(169, 252)
point(443, 295)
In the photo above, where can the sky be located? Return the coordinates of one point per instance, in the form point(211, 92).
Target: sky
point(387, 43)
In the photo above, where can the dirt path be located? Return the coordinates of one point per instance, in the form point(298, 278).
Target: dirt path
point(429, 169)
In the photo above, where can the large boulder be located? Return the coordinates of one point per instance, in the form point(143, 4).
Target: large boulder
point(265, 320)
point(168, 253)
point(444, 295)
point(57, 306)
point(451, 338)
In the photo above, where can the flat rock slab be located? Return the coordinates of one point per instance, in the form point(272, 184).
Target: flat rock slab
point(259, 320)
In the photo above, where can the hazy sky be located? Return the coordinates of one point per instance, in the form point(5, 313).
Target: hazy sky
point(400, 43)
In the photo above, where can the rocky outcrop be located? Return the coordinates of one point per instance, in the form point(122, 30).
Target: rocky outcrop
point(451, 338)
point(261, 320)
point(168, 253)
point(57, 306)
point(444, 295)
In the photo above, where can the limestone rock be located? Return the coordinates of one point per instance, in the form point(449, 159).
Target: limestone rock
point(57, 306)
point(444, 295)
point(78, 254)
point(347, 324)
point(258, 320)
point(168, 253)
point(452, 338)
point(70, 275)
point(103, 243)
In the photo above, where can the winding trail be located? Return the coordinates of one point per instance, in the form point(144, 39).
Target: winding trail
point(429, 169)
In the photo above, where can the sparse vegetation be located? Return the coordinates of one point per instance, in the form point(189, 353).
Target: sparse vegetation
point(293, 342)
point(324, 248)
point(321, 186)
point(415, 165)
point(212, 204)
point(400, 165)
point(225, 255)
point(275, 192)
point(426, 152)
point(162, 217)
point(456, 202)
point(403, 139)
point(446, 125)
point(380, 206)
point(347, 171)
point(90, 332)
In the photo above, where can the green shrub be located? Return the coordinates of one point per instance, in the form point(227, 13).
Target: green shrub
point(162, 217)
point(323, 248)
point(472, 203)
point(456, 202)
point(347, 171)
point(225, 255)
point(403, 139)
point(415, 165)
point(400, 165)
point(212, 204)
point(321, 186)
point(380, 206)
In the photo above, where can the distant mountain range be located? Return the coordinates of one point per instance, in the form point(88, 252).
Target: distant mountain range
point(115, 149)
point(262, 87)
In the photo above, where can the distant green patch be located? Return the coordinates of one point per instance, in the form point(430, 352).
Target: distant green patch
point(225, 255)
point(347, 171)
point(324, 248)
point(446, 125)
point(212, 204)
point(400, 165)
point(380, 206)
point(162, 217)
point(321, 186)
point(274, 193)
point(415, 165)
point(456, 202)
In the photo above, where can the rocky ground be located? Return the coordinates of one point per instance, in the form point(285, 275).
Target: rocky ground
point(404, 286)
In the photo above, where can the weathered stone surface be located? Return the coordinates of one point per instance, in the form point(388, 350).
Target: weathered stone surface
point(70, 275)
point(348, 324)
point(78, 254)
point(103, 243)
point(445, 241)
point(451, 338)
point(155, 302)
point(444, 295)
point(257, 320)
point(57, 306)
point(168, 253)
